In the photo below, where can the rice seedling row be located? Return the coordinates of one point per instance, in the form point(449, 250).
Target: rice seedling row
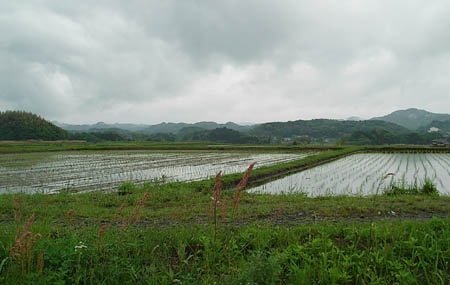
point(89, 171)
point(366, 174)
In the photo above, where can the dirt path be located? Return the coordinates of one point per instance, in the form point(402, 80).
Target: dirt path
point(289, 219)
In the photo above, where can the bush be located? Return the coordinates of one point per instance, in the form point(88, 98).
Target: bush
point(126, 188)
point(428, 188)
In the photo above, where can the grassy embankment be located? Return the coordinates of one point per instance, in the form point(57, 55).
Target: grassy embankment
point(36, 146)
point(44, 146)
point(164, 233)
point(168, 234)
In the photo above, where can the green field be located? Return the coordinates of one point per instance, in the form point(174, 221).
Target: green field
point(184, 233)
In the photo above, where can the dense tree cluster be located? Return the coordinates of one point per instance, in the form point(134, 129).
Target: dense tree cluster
point(442, 127)
point(223, 135)
point(19, 125)
point(382, 137)
point(322, 128)
point(98, 136)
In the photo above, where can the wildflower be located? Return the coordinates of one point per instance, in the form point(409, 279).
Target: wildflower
point(80, 246)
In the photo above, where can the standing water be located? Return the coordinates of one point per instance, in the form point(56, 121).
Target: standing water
point(90, 171)
point(366, 174)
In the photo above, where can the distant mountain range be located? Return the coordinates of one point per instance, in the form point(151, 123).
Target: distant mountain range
point(99, 126)
point(355, 118)
point(413, 119)
point(177, 127)
point(412, 126)
point(163, 128)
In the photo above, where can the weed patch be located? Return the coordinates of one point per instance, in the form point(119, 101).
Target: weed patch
point(427, 188)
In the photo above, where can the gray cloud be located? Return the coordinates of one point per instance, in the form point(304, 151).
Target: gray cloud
point(152, 61)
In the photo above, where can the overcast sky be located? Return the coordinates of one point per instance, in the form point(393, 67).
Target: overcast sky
point(242, 61)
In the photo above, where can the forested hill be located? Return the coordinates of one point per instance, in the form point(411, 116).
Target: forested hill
point(19, 125)
point(442, 127)
point(174, 128)
point(412, 118)
point(222, 135)
point(322, 128)
point(162, 128)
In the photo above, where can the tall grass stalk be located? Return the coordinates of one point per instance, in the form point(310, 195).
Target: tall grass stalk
point(216, 199)
point(100, 235)
point(17, 210)
point(22, 249)
point(70, 215)
point(238, 194)
point(135, 215)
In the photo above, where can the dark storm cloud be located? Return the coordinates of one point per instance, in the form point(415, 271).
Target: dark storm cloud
point(152, 61)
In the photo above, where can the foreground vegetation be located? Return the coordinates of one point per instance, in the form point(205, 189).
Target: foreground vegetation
point(388, 252)
point(46, 146)
point(200, 232)
point(168, 233)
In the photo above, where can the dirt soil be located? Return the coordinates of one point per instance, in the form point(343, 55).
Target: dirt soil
point(279, 219)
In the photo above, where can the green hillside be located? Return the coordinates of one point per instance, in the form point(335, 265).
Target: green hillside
point(322, 128)
point(175, 128)
point(442, 127)
point(413, 118)
point(220, 135)
point(19, 125)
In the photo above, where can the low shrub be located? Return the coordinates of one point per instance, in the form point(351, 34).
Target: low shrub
point(126, 188)
point(427, 188)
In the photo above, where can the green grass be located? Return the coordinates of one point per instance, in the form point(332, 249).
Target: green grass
point(36, 146)
point(384, 252)
point(171, 237)
point(163, 234)
point(427, 188)
point(44, 146)
point(184, 202)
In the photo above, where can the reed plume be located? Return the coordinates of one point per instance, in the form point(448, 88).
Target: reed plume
point(17, 210)
point(101, 233)
point(216, 198)
point(277, 214)
point(238, 193)
point(22, 248)
point(135, 215)
point(70, 215)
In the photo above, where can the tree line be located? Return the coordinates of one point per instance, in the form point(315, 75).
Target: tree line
point(20, 125)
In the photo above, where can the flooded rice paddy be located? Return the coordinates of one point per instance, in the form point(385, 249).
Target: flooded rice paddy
point(365, 174)
point(91, 171)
